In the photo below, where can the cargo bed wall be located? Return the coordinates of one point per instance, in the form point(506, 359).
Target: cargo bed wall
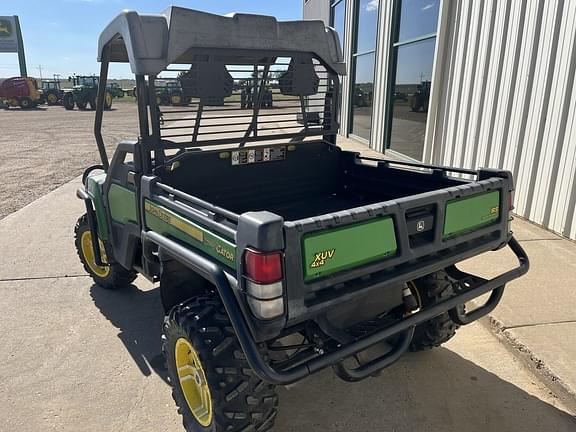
point(313, 179)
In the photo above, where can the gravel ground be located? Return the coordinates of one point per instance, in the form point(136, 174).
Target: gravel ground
point(48, 146)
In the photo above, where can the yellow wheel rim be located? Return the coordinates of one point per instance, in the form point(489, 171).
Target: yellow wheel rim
point(193, 382)
point(52, 98)
point(88, 252)
point(176, 99)
point(108, 99)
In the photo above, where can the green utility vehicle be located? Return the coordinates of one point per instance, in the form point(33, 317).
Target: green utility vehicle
point(83, 93)
point(277, 253)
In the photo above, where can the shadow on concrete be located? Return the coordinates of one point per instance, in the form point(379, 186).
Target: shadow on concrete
point(433, 391)
point(139, 316)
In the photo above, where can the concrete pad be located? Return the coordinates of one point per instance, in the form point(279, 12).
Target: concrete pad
point(76, 357)
point(472, 385)
point(79, 358)
point(546, 294)
point(555, 348)
point(524, 230)
point(38, 240)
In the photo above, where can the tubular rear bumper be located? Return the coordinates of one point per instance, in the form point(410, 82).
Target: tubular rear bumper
point(476, 287)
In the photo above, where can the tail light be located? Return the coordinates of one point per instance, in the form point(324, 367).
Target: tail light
point(263, 276)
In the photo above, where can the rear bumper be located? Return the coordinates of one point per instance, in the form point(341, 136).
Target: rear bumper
point(404, 328)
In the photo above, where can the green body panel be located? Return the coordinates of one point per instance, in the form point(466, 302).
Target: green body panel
point(94, 184)
point(166, 222)
point(123, 205)
point(334, 250)
point(467, 214)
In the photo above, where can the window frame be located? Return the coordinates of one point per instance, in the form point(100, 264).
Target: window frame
point(395, 44)
point(352, 83)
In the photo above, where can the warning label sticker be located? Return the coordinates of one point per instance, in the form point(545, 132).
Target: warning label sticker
point(266, 154)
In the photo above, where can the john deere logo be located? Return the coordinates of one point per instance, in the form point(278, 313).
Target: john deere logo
point(5, 28)
point(420, 226)
point(320, 258)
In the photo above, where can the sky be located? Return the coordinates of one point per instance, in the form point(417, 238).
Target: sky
point(61, 35)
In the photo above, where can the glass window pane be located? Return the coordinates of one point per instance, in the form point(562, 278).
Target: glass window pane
point(367, 28)
point(339, 20)
point(418, 18)
point(363, 90)
point(410, 98)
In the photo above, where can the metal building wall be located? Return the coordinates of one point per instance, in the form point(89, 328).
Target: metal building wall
point(504, 97)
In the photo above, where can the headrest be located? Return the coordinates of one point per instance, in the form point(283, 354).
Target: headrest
point(207, 80)
point(300, 79)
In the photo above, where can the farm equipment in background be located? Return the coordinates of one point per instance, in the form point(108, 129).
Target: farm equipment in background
point(249, 94)
point(83, 93)
point(421, 97)
point(52, 92)
point(18, 91)
point(169, 92)
point(115, 90)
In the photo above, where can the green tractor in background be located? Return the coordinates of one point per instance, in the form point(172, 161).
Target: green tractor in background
point(115, 90)
point(170, 92)
point(83, 93)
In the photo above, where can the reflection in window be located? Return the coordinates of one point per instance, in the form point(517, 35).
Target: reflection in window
point(367, 25)
point(363, 91)
point(366, 29)
point(411, 96)
point(338, 19)
point(417, 18)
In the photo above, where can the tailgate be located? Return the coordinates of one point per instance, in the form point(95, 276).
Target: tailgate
point(398, 234)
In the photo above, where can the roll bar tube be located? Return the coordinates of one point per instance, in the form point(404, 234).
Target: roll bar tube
point(100, 108)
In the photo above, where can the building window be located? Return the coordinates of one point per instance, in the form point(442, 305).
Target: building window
point(338, 19)
point(364, 59)
point(414, 43)
point(338, 22)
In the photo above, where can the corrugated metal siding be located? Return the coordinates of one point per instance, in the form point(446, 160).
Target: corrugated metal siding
point(506, 99)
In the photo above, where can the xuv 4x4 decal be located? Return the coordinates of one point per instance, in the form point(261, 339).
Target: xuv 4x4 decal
point(330, 251)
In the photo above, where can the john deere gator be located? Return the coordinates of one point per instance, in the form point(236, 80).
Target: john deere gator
point(277, 253)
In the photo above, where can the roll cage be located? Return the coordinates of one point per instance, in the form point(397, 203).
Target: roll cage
point(227, 78)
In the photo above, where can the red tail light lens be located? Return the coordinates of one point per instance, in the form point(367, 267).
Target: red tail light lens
point(263, 268)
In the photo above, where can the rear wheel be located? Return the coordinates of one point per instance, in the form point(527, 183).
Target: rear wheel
point(107, 101)
point(431, 289)
point(82, 104)
point(176, 100)
point(111, 276)
point(212, 383)
point(52, 99)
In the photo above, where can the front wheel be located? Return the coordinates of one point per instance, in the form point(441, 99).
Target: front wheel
point(68, 101)
point(110, 276)
point(212, 384)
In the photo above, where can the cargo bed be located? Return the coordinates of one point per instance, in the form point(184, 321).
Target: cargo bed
point(313, 179)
